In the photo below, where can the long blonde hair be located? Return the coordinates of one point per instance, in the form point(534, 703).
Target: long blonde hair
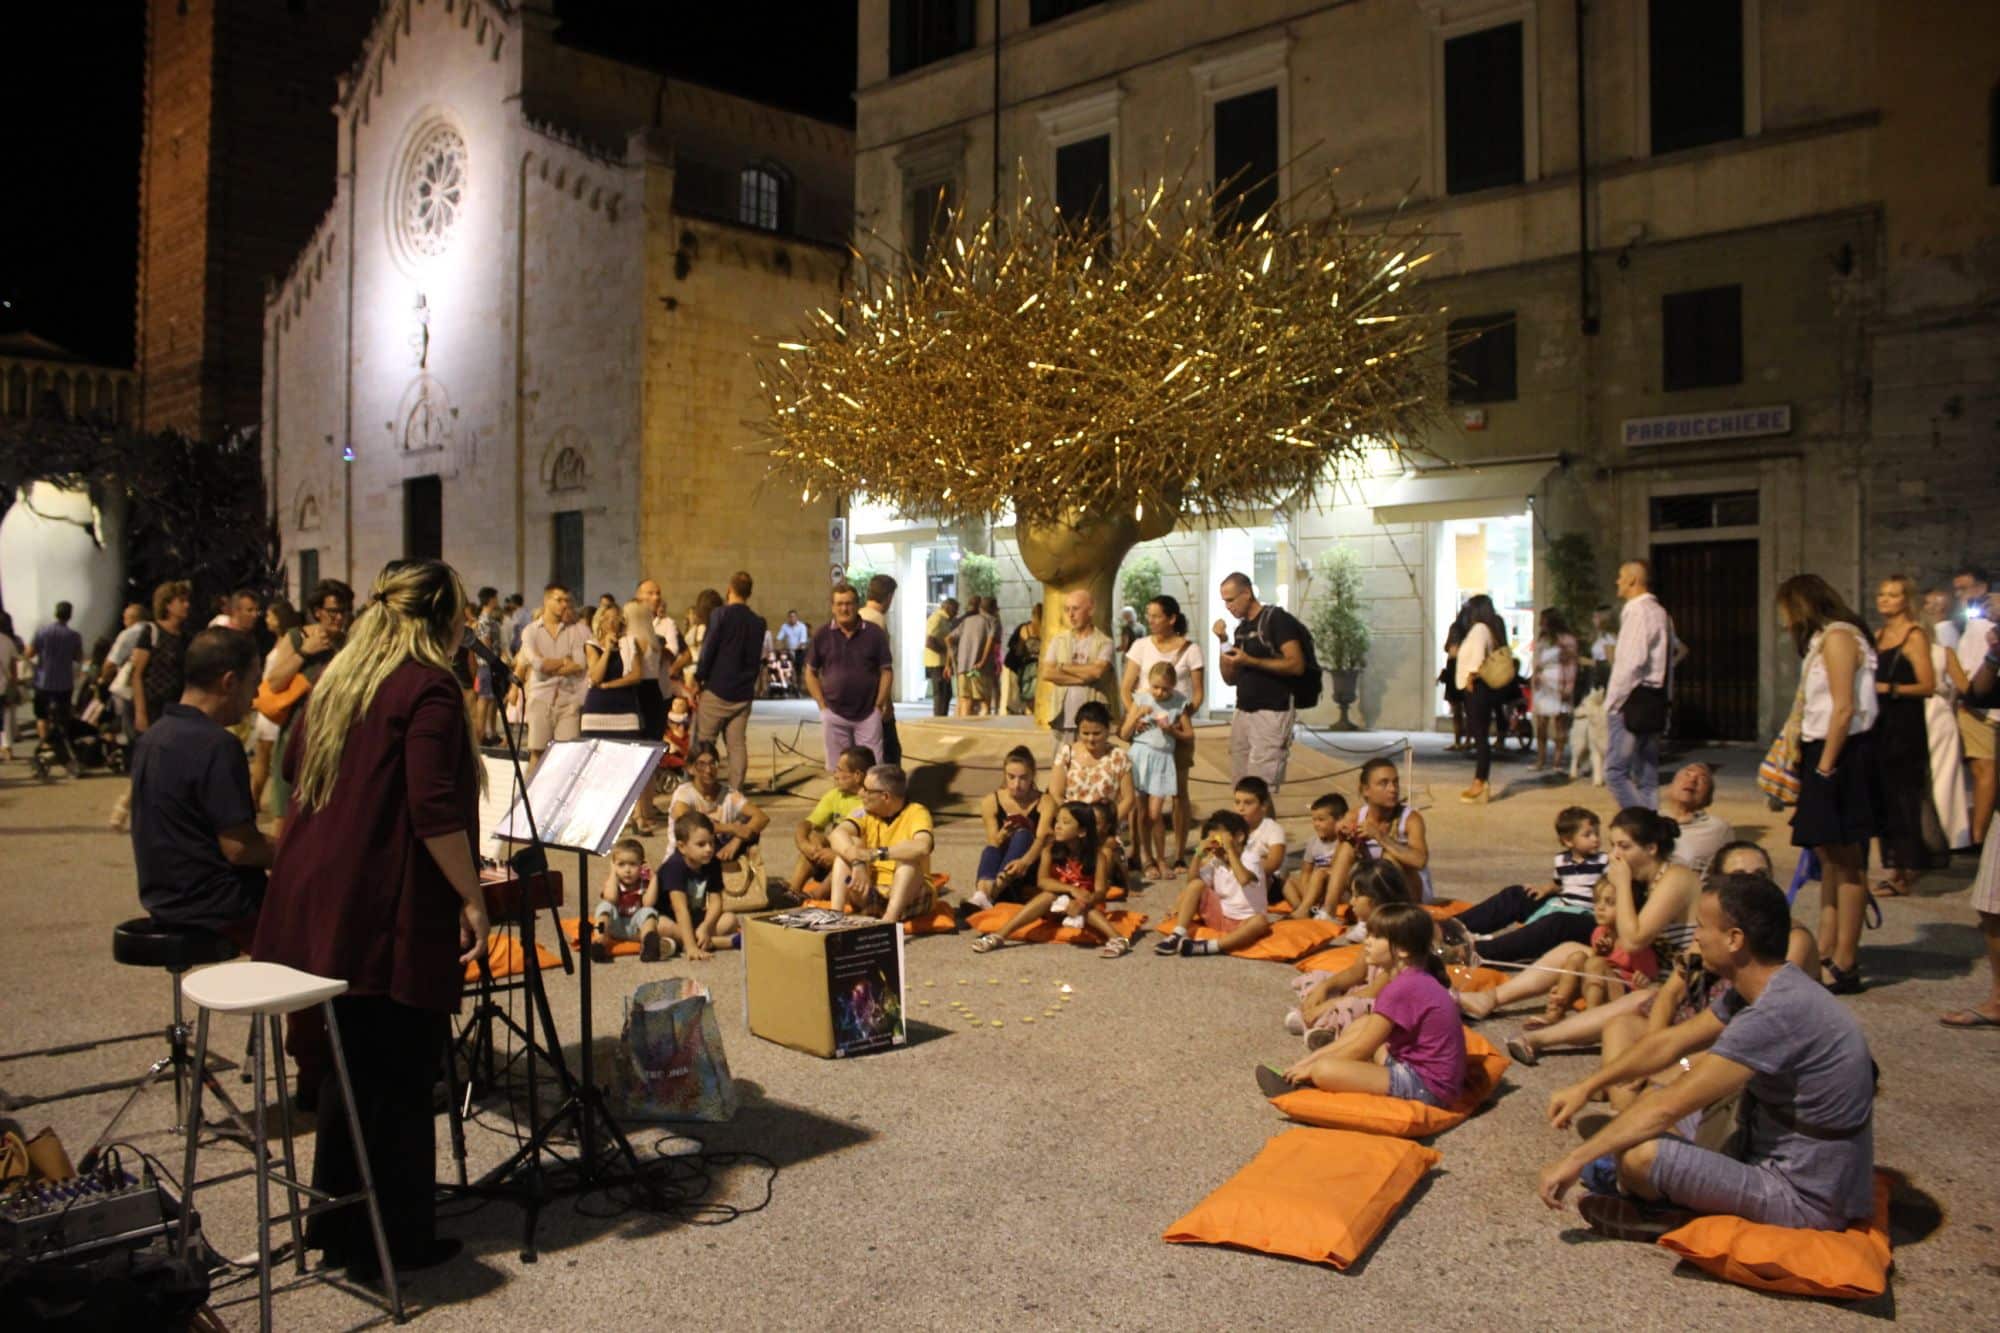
point(416, 613)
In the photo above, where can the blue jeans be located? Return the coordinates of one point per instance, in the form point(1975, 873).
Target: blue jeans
point(1631, 764)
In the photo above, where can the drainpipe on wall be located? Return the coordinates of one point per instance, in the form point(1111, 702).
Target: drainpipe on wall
point(996, 110)
point(347, 395)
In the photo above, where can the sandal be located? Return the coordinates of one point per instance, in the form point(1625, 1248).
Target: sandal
point(1115, 947)
point(1885, 888)
point(1548, 1018)
point(1154, 870)
point(1846, 981)
point(1968, 1018)
point(987, 943)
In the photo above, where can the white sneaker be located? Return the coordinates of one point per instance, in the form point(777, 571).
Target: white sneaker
point(1295, 1022)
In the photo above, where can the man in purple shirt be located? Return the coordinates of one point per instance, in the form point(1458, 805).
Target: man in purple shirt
point(55, 652)
point(849, 675)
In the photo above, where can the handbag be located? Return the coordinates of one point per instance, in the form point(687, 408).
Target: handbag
point(1778, 774)
point(277, 705)
point(1497, 671)
point(1645, 710)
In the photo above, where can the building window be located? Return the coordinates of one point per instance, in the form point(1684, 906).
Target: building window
point(432, 194)
point(566, 547)
point(1048, 11)
point(1246, 157)
point(423, 518)
point(1485, 126)
point(308, 575)
point(928, 220)
point(1083, 184)
point(1695, 72)
point(1702, 338)
point(921, 31)
point(1482, 359)
point(760, 198)
point(1713, 509)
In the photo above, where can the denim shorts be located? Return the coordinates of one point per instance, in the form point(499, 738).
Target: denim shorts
point(1404, 1083)
point(621, 927)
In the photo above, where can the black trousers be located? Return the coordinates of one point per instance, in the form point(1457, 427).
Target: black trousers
point(892, 744)
point(392, 1055)
point(1479, 720)
point(1512, 906)
point(941, 690)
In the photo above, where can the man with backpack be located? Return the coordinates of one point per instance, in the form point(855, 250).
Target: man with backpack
point(1271, 664)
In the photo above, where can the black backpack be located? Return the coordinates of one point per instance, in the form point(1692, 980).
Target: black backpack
point(1307, 684)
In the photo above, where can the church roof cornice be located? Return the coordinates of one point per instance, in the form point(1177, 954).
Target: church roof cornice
point(488, 22)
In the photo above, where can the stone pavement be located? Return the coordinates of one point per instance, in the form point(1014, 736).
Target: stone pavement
point(989, 1178)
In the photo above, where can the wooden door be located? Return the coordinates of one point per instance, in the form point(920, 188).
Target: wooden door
point(1710, 590)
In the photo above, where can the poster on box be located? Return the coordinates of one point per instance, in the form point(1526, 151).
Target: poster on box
point(864, 977)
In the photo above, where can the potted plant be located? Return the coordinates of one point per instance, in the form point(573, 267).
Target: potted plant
point(1340, 635)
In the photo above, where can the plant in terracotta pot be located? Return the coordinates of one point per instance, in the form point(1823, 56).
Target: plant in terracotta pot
point(1340, 634)
point(1096, 383)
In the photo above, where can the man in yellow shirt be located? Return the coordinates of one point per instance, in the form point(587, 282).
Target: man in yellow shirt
point(882, 856)
point(936, 663)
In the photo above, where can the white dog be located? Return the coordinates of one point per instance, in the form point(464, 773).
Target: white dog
point(1588, 736)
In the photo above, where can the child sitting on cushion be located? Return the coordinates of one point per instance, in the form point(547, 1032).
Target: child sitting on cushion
point(1075, 870)
point(1156, 721)
point(1609, 971)
point(1413, 1045)
point(1226, 891)
point(1306, 889)
point(1266, 844)
point(692, 881)
point(629, 908)
point(1329, 1001)
point(840, 800)
point(1106, 815)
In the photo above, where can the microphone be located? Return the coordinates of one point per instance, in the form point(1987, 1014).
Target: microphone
point(470, 642)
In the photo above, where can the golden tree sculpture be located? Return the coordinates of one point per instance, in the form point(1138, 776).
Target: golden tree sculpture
point(1103, 382)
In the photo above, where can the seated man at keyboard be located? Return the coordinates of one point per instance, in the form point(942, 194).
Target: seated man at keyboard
point(200, 855)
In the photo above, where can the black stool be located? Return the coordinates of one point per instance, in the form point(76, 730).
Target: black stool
point(144, 942)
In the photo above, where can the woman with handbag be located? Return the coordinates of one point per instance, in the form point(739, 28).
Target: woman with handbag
point(1484, 668)
point(1839, 805)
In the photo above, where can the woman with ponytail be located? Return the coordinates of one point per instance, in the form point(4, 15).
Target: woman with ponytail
point(1413, 1044)
point(376, 883)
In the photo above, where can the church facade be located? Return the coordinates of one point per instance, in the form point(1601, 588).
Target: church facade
point(523, 337)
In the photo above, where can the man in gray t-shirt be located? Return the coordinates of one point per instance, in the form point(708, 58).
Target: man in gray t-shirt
point(1778, 1041)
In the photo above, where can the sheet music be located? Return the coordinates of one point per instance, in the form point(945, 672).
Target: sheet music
point(494, 804)
point(582, 793)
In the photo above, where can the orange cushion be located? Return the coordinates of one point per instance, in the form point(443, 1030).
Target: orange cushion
point(1332, 960)
point(1317, 1194)
point(1377, 1113)
point(940, 921)
point(1474, 978)
point(1049, 929)
point(1288, 941)
point(1848, 1265)
point(619, 948)
point(506, 958)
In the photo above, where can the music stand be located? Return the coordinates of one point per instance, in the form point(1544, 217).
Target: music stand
point(585, 791)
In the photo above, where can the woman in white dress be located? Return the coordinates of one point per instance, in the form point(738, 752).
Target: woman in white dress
point(1948, 794)
point(1555, 687)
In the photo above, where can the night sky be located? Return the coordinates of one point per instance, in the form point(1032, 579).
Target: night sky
point(71, 79)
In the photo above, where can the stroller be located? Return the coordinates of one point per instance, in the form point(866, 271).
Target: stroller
point(81, 746)
point(779, 680)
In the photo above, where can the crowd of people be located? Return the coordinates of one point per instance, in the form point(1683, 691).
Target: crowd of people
point(1657, 934)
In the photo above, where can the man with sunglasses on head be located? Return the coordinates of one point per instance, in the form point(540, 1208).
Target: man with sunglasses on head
point(882, 852)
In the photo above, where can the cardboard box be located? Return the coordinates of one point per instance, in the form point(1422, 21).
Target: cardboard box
point(825, 984)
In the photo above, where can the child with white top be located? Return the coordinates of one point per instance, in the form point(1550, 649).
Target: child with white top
point(1156, 722)
point(1227, 891)
point(1266, 845)
point(1306, 889)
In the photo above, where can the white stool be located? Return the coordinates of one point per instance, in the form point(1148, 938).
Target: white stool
point(268, 991)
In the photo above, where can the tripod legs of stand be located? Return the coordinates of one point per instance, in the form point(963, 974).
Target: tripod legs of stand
point(179, 1061)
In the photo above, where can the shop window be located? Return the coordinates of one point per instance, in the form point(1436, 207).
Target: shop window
point(1246, 156)
point(923, 31)
point(1495, 556)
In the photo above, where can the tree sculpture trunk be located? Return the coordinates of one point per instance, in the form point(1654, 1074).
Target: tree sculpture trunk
point(1081, 552)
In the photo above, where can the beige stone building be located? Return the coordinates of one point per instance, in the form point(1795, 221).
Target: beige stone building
point(39, 378)
point(522, 337)
point(1738, 262)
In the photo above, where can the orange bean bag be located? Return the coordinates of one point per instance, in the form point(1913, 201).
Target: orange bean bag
point(1375, 1113)
point(1049, 930)
point(1288, 941)
point(1331, 960)
point(1322, 1195)
point(506, 958)
point(940, 921)
point(1850, 1265)
point(619, 948)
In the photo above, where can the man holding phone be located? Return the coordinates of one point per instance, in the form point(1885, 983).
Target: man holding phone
point(1263, 662)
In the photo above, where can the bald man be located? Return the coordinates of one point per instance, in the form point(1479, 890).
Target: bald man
point(1077, 660)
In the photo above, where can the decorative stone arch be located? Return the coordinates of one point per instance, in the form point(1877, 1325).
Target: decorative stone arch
point(426, 422)
point(568, 463)
point(306, 507)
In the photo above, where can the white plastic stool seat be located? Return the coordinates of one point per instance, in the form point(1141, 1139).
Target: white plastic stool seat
point(262, 988)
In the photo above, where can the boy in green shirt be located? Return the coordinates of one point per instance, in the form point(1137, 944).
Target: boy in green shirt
point(842, 799)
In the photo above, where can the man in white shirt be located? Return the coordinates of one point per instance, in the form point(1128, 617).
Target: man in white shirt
point(1975, 725)
point(1686, 801)
point(552, 652)
point(1640, 662)
point(792, 639)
